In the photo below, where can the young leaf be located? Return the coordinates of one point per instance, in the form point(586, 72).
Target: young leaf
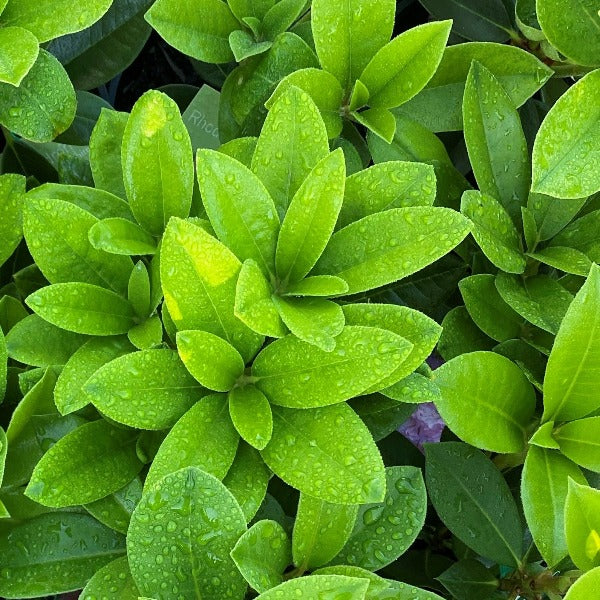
point(318, 285)
point(251, 415)
point(587, 584)
point(244, 46)
point(486, 521)
point(582, 525)
point(19, 49)
point(239, 207)
point(385, 247)
point(499, 398)
point(200, 29)
point(564, 259)
point(544, 487)
point(553, 214)
point(321, 530)
point(121, 236)
point(139, 290)
point(211, 360)
point(308, 452)
point(402, 68)
point(572, 372)
point(319, 586)
point(112, 579)
point(578, 440)
point(296, 374)
point(567, 144)
point(204, 437)
point(87, 464)
point(12, 191)
point(378, 120)
point(281, 16)
point(3, 371)
point(250, 8)
point(345, 39)
point(198, 276)
point(468, 578)
point(385, 530)
point(581, 234)
point(83, 308)
point(495, 141)
point(147, 334)
point(202, 521)
point(262, 554)
point(158, 167)
point(149, 389)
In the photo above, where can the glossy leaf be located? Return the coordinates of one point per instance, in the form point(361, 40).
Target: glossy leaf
point(12, 191)
point(19, 49)
point(121, 236)
point(114, 578)
point(584, 586)
point(318, 285)
point(578, 441)
point(250, 413)
point(564, 259)
point(378, 120)
point(581, 235)
point(334, 586)
point(468, 578)
point(582, 525)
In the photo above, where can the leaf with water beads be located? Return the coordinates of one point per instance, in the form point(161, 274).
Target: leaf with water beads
point(330, 587)
point(19, 49)
point(250, 412)
point(113, 580)
point(121, 236)
point(181, 535)
point(327, 453)
point(12, 191)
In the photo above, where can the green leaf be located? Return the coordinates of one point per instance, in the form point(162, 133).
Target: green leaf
point(139, 290)
point(378, 120)
point(318, 285)
point(385, 530)
point(112, 579)
point(578, 441)
point(200, 29)
point(496, 394)
point(572, 28)
point(56, 233)
point(564, 259)
point(308, 453)
point(87, 464)
point(262, 554)
point(310, 218)
point(202, 521)
point(320, 586)
point(115, 510)
point(359, 96)
point(3, 373)
point(296, 374)
point(247, 479)
point(157, 381)
point(544, 487)
point(38, 561)
point(439, 105)
point(321, 529)
point(474, 20)
point(567, 145)
point(385, 247)
point(89, 107)
point(468, 578)
point(345, 39)
point(402, 68)
point(495, 140)
point(487, 308)
point(251, 415)
point(105, 151)
point(461, 335)
point(281, 16)
point(250, 8)
point(204, 437)
point(486, 521)
point(68, 394)
point(543, 437)
point(83, 308)
point(19, 49)
point(325, 91)
point(582, 235)
point(539, 299)
point(12, 191)
point(198, 276)
point(243, 46)
point(147, 334)
point(582, 525)
point(239, 207)
point(121, 236)
point(292, 141)
point(35, 115)
point(587, 584)
point(414, 389)
point(212, 361)
point(313, 320)
point(157, 161)
point(242, 149)
point(394, 184)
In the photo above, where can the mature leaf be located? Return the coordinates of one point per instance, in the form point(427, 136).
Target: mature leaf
point(198, 277)
point(39, 558)
point(149, 389)
point(564, 259)
point(35, 116)
point(251, 415)
point(296, 374)
point(242, 149)
point(387, 246)
point(158, 168)
point(281, 16)
point(461, 335)
point(544, 487)
point(439, 105)
point(292, 141)
point(83, 308)
point(497, 395)
point(582, 235)
point(468, 578)
point(199, 29)
point(567, 145)
point(251, 8)
point(345, 39)
point(19, 49)
point(203, 437)
point(495, 140)
point(12, 191)
point(474, 501)
point(87, 464)
point(121, 236)
point(582, 525)
point(319, 586)
point(402, 68)
point(239, 207)
point(201, 521)
point(262, 554)
point(570, 384)
point(385, 530)
point(587, 584)
point(115, 510)
point(578, 440)
point(308, 452)
point(113, 579)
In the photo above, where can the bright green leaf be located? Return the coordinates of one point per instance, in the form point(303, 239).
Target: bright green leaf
point(12, 191)
point(584, 586)
point(319, 586)
point(578, 440)
point(121, 236)
point(19, 49)
point(251, 415)
point(114, 578)
point(582, 525)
